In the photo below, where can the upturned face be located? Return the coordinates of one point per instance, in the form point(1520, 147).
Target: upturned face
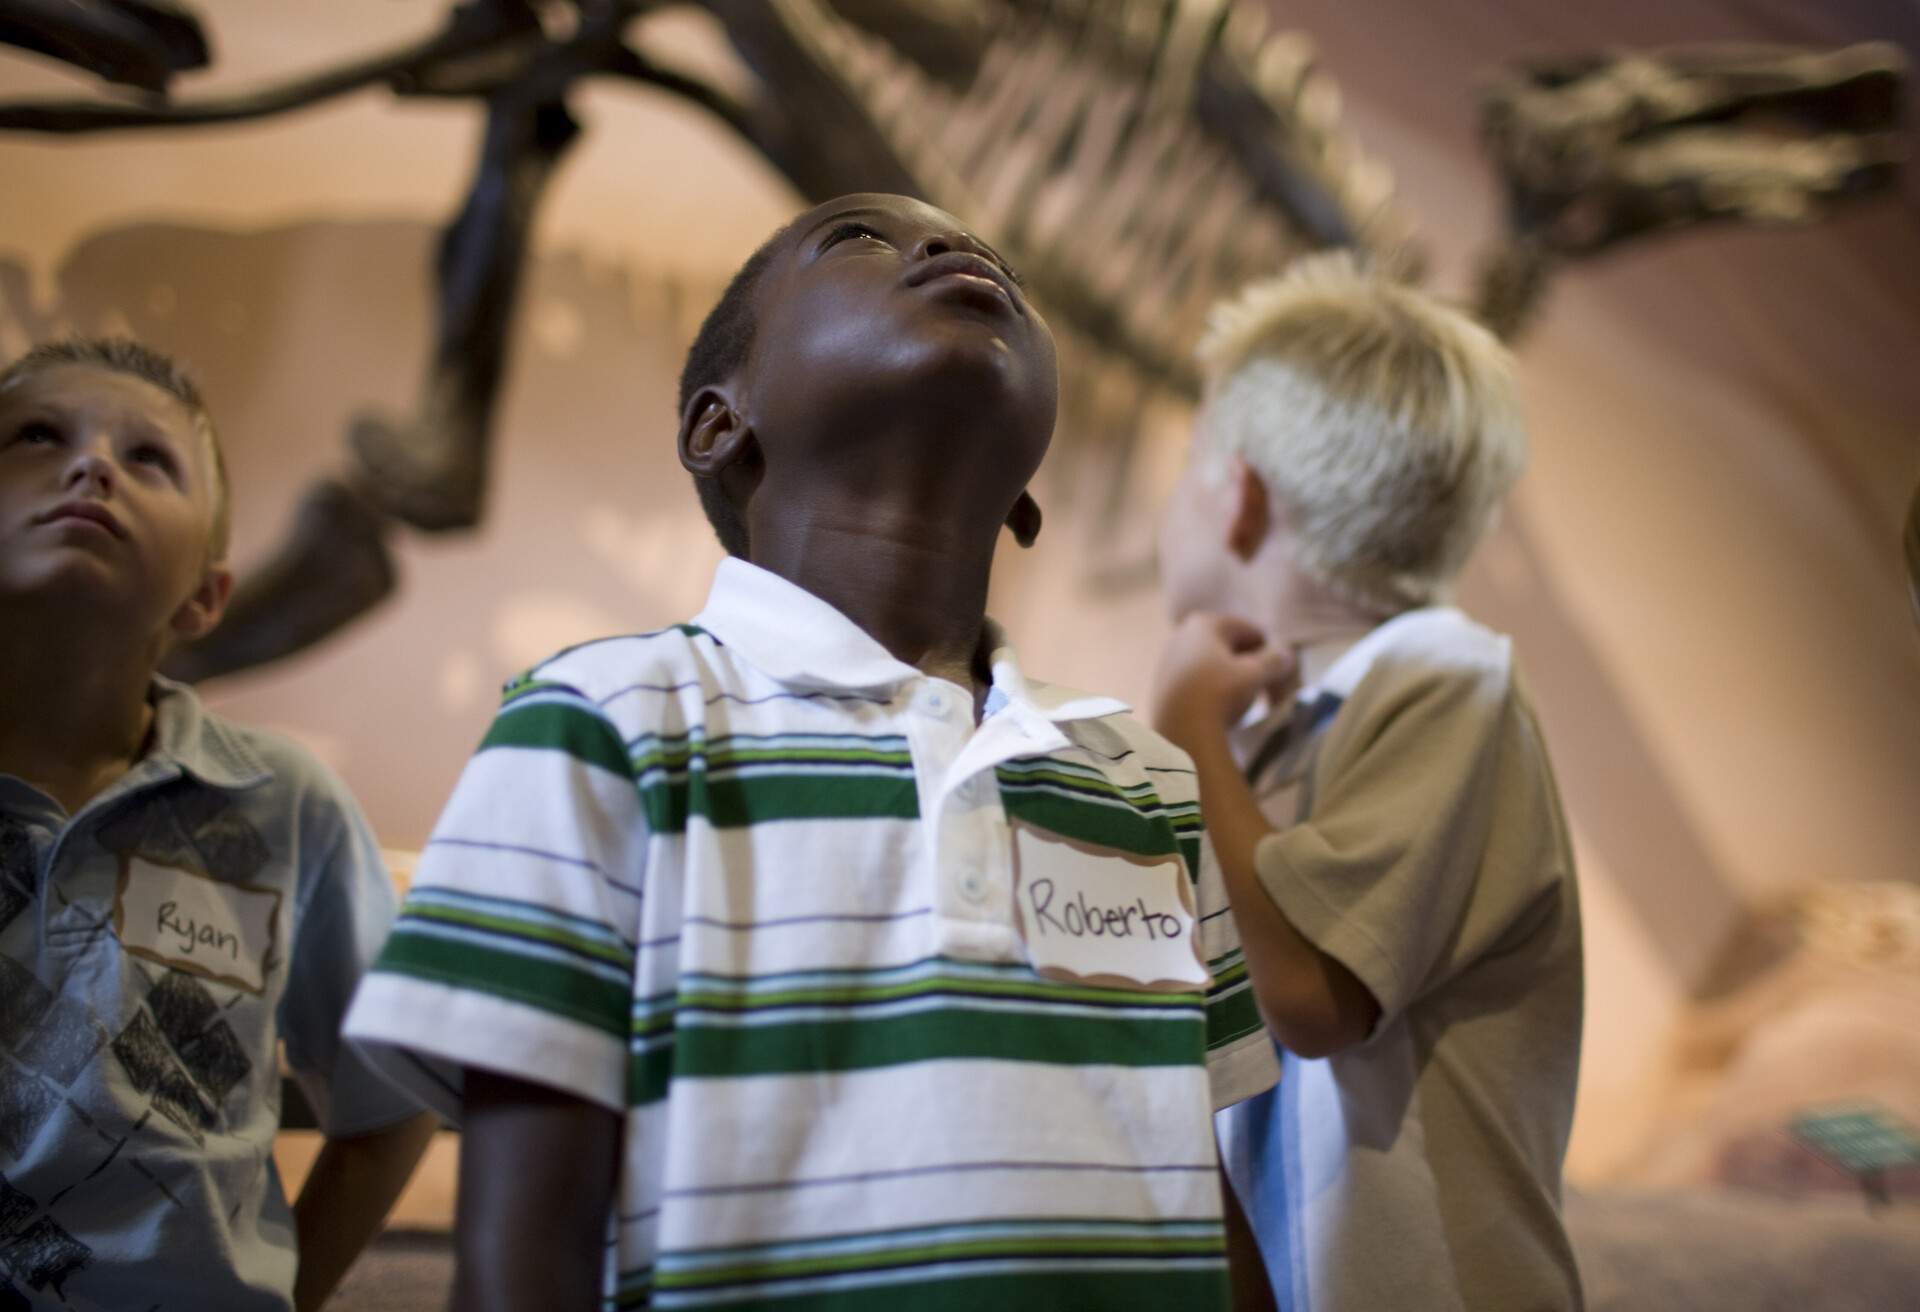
point(107, 493)
point(881, 305)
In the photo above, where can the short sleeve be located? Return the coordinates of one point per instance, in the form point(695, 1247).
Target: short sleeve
point(1432, 827)
point(345, 916)
point(1241, 1061)
point(514, 948)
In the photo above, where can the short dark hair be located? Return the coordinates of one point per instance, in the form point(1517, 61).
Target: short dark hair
point(127, 356)
point(719, 350)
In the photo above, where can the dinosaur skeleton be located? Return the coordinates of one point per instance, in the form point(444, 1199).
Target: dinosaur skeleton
point(1599, 151)
point(1139, 158)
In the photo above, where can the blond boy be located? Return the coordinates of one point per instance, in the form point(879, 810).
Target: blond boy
point(1380, 798)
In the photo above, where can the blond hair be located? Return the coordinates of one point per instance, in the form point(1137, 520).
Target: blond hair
point(1385, 422)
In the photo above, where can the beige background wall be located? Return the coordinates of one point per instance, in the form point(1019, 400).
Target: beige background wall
point(1701, 567)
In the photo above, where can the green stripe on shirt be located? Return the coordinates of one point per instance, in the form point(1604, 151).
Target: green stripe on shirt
point(1105, 823)
point(815, 1044)
point(561, 726)
point(933, 975)
point(736, 802)
point(1232, 1012)
point(498, 968)
point(1067, 1289)
point(1026, 1239)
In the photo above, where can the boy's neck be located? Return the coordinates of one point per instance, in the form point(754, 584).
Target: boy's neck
point(1312, 619)
point(916, 586)
point(74, 715)
point(1317, 655)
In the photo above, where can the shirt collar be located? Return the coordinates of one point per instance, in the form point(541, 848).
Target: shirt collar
point(1321, 661)
point(202, 745)
point(1330, 669)
point(1050, 700)
point(800, 641)
point(1344, 672)
point(184, 739)
point(792, 636)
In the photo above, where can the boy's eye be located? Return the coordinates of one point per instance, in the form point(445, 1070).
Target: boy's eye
point(157, 456)
point(845, 231)
point(37, 433)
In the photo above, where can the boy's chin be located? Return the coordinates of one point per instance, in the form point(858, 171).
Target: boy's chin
point(974, 362)
point(68, 577)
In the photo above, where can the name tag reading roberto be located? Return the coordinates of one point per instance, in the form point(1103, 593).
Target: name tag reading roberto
point(191, 922)
point(1093, 915)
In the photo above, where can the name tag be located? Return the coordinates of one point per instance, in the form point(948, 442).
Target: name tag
point(1092, 915)
point(192, 922)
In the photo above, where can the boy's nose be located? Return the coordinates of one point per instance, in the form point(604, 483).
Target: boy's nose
point(90, 471)
point(940, 243)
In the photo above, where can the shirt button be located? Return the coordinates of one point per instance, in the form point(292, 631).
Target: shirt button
point(934, 701)
point(973, 886)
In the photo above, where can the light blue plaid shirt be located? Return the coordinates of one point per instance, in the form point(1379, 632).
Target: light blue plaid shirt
point(222, 898)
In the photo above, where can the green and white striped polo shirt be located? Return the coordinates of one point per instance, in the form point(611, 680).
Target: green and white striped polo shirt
point(749, 881)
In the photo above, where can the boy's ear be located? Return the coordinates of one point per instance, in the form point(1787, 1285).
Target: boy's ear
point(714, 435)
point(202, 609)
point(1249, 512)
point(1024, 519)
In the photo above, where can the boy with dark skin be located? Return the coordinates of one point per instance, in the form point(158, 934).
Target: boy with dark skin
point(823, 445)
point(898, 395)
point(864, 511)
point(112, 548)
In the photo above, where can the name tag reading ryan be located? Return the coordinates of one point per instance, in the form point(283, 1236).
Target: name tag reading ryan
point(191, 922)
point(1094, 915)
